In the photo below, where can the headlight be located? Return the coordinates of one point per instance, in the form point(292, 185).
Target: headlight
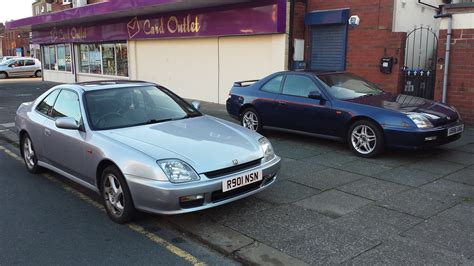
point(420, 120)
point(178, 171)
point(268, 153)
point(456, 110)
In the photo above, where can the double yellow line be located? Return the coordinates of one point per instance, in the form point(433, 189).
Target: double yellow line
point(135, 227)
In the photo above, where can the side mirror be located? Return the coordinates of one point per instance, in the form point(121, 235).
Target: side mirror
point(316, 95)
point(197, 105)
point(67, 123)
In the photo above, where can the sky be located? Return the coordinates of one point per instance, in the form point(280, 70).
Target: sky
point(11, 10)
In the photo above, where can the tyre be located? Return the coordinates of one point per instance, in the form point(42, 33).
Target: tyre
point(38, 73)
point(251, 120)
point(366, 139)
point(116, 196)
point(29, 155)
point(3, 75)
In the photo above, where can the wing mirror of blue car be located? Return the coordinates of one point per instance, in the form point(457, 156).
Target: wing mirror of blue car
point(197, 105)
point(316, 95)
point(67, 123)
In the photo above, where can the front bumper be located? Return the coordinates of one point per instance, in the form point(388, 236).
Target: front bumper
point(406, 138)
point(164, 197)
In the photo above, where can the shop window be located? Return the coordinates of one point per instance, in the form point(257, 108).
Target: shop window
point(57, 57)
point(122, 59)
point(84, 60)
point(104, 59)
point(95, 59)
point(108, 59)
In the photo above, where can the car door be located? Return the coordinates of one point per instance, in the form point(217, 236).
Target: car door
point(65, 148)
point(267, 103)
point(29, 67)
point(15, 68)
point(301, 112)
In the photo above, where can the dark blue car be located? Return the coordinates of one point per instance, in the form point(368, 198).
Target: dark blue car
point(345, 107)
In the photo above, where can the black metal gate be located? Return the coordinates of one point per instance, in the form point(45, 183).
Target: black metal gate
point(420, 63)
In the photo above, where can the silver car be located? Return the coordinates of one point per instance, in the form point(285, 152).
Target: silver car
point(20, 67)
point(143, 148)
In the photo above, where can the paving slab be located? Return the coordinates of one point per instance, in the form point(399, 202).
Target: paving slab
point(275, 225)
point(333, 203)
point(464, 176)
point(447, 187)
point(419, 203)
point(445, 233)
point(327, 245)
point(364, 167)
point(372, 188)
point(297, 153)
point(327, 179)
point(376, 222)
point(462, 213)
point(407, 252)
point(332, 159)
point(437, 166)
point(291, 169)
point(408, 176)
point(466, 148)
point(454, 156)
point(261, 254)
point(286, 192)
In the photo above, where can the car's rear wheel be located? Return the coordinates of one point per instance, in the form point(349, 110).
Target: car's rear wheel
point(29, 155)
point(3, 75)
point(366, 139)
point(251, 120)
point(116, 196)
point(38, 73)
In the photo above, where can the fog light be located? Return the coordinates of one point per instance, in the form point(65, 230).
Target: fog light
point(191, 198)
point(430, 138)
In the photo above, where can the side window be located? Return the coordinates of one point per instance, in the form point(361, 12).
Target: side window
point(20, 63)
point(67, 105)
point(273, 85)
point(45, 106)
point(30, 63)
point(298, 85)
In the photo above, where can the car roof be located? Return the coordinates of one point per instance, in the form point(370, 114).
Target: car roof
point(111, 84)
point(311, 72)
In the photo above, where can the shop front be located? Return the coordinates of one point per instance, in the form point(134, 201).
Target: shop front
point(198, 51)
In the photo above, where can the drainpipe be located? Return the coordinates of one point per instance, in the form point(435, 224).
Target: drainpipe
point(448, 52)
point(290, 37)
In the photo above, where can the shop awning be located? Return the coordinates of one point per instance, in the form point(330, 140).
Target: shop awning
point(112, 9)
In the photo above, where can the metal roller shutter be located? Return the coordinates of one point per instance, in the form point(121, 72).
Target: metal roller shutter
point(328, 47)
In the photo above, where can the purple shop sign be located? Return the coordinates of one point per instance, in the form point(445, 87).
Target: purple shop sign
point(247, 20)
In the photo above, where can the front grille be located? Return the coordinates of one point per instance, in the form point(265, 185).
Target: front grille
point(232, 169)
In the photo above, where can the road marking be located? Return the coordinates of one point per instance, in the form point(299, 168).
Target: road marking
point(8, 125)
point(135, 227)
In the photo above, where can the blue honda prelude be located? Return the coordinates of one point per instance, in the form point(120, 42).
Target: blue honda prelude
point(345, 107)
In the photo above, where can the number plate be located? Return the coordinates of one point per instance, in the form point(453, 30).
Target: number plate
point(455, 130)
point(241, 180)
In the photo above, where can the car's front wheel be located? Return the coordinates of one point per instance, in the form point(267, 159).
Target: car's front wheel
point(38, 73)
point(29, 155)
point(366, 139)
point(251, 120)
point(3, 75)
point(116, 196)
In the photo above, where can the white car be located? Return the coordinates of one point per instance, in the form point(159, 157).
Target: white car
point(20, 67)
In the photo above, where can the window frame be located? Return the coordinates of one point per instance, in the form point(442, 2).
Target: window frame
point(47, 51)
point(101, 46)
point(48, 115)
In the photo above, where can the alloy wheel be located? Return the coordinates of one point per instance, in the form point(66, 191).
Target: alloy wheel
point(113, 195)
point(250, 121)
point(29, 153)
point(364, 139)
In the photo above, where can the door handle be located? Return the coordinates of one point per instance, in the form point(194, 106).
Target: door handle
point(282, 103)
point(47, 132)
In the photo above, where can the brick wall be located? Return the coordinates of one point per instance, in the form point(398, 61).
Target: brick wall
point(461, 72)
point(369, 42)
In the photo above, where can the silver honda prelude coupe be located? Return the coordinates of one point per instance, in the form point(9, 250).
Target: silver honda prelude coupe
point(141, 147)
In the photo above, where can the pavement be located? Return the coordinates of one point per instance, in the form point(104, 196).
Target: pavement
point(330, 207)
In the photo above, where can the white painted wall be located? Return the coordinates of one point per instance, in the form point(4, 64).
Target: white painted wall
point(58, 76)
point(409, 13)
point(460, 21)
point(205, 68)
